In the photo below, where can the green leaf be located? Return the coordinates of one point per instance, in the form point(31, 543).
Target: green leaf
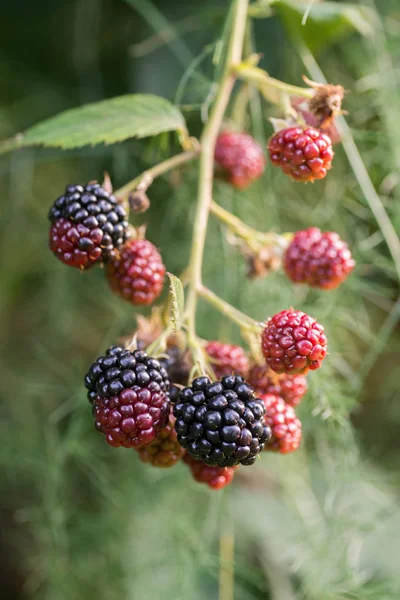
point(323, 23)
point(108, 122)
point(177, 301)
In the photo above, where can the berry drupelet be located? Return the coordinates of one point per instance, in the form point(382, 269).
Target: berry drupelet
point(303, 154)
point(215, 477)
point(227, 359)
point(87, 226)
point(320, 259)
point(137, 273)
point(129, 394)
point(285, 426)
point(164, 451)
point(291, 388)
point(292, 342)
point(240, 157)
point(221, 422)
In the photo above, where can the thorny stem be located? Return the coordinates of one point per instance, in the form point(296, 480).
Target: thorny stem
point(235, 315)
point(145, 179)
point(206, 166)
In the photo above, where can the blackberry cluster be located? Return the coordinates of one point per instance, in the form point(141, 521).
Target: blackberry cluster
point(221, 422)
point(291, 388)
point(215, 477)
point(303, 154)
point(292, 342)
point(87, 226)
point(227, 359)
point(240, 157)
point(321, 260)
point(285, 426)
point(129, 394)
point(137, 273)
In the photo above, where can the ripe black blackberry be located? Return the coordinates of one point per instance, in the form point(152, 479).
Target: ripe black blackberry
point(129, 393)
point(87, 226)
point(221, 422)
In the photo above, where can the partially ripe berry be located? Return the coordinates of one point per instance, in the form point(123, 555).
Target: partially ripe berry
point(240, 157)
point(164, 451)
point(88, 226)
point(322, 260)
point(227, 359)
point(215, 477)
point(293, 342)
point(137, 273)
point(303, 154)
point(129, 394)
point(291, 388)
point(285, 426)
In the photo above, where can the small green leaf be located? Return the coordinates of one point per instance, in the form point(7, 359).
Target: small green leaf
point(321, 23)
point(177, 301)
point(108, 122)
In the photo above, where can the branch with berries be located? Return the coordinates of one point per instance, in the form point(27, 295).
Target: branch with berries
point(166, 393)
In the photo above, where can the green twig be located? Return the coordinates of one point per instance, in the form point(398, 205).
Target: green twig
point(232, 313)
point(148, 176)
point(206, 167)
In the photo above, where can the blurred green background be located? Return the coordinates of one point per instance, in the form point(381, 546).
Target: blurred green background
point(81, 520)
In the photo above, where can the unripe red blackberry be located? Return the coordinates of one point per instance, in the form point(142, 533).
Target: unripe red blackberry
point(221, 422)
point(285, 426)
point(88, 225)
point(322, 260)
point(164, 451)
point(215, 477)
point(129, 393)
point(240, 157)
point(303, 154)
point(293, 342)
point(227, 359)
point(291, 388)
point(137, 274)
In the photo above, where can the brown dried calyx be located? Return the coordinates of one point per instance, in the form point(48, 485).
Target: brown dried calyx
point(326, 104)
point(139, 201)
point(263, 262)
